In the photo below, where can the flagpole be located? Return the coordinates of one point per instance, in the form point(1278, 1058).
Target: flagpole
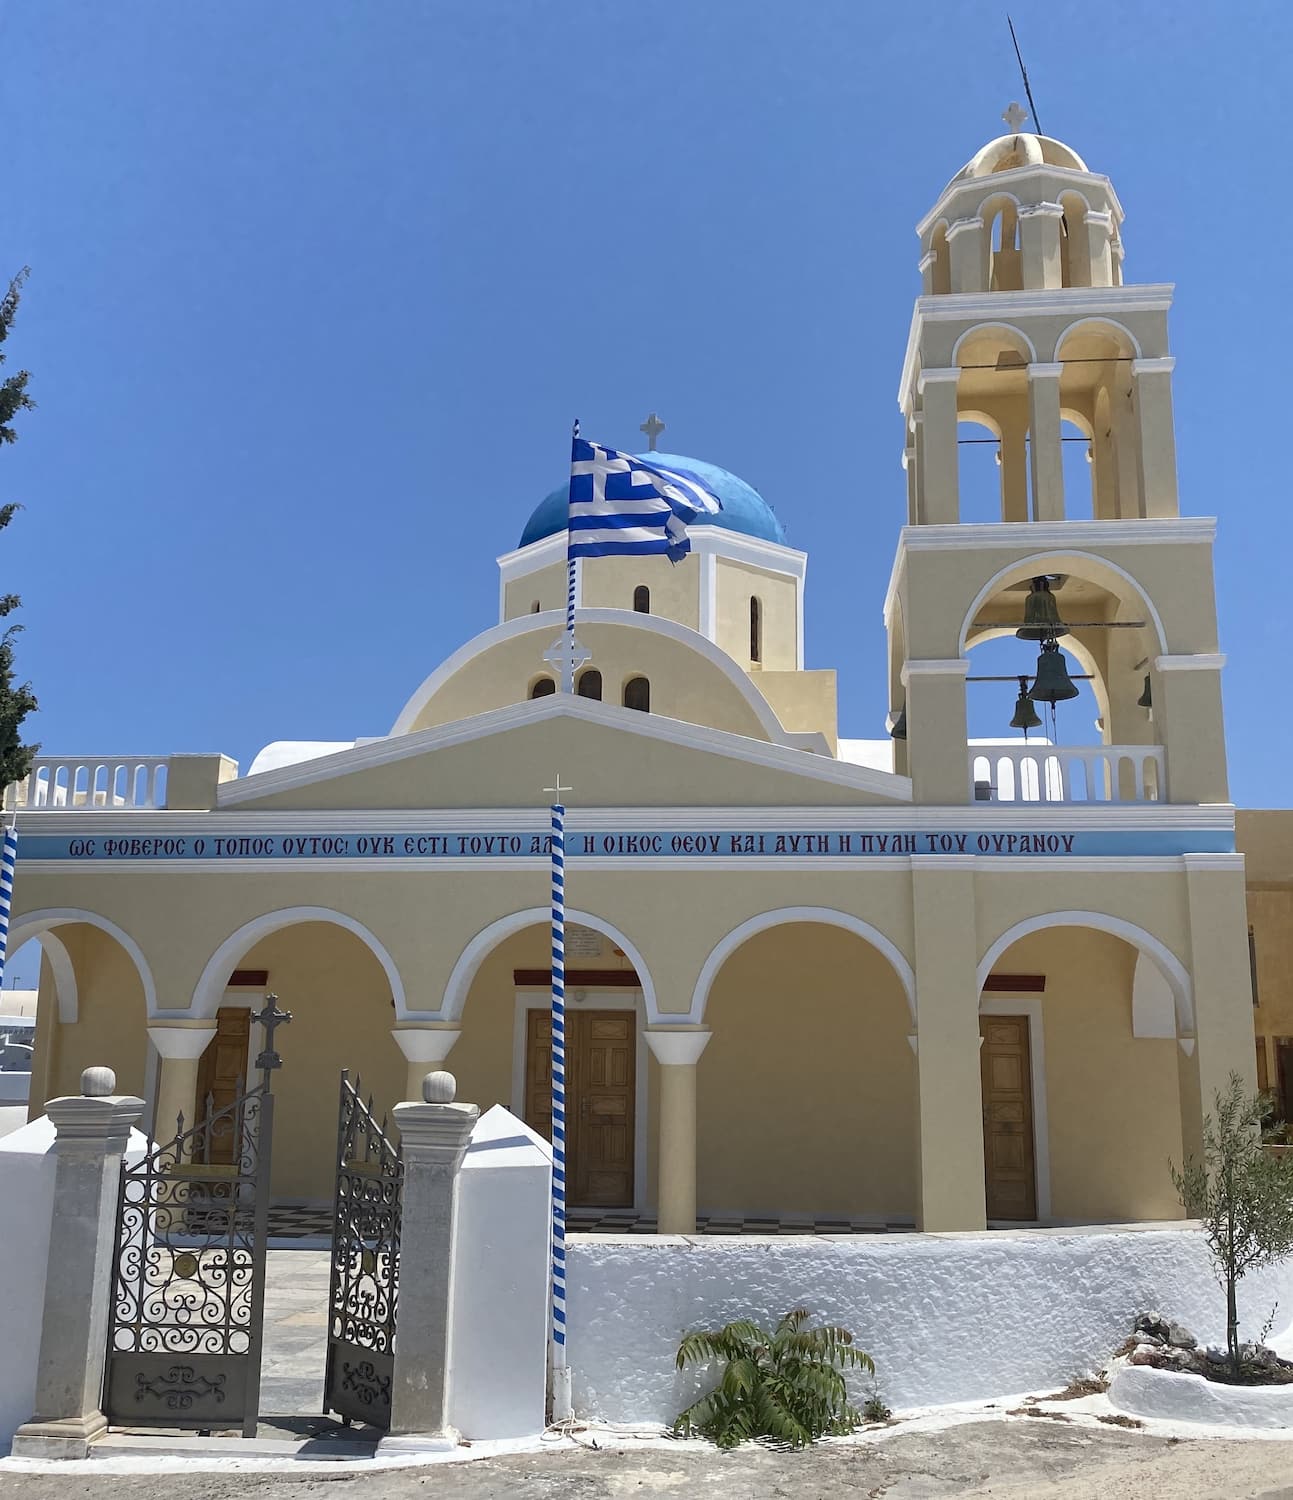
point(572, 567)
point(8, 859)
point(562, 1406)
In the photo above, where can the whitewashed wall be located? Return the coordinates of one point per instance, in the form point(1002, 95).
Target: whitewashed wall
point(945, 1317)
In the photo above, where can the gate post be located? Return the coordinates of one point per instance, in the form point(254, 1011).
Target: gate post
point(433, 1139)
point(91, 1134)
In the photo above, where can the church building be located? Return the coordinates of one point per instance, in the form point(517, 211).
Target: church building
point(915, 981)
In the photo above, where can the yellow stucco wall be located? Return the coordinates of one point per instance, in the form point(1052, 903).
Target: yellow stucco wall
point(683, 684)
point(109, 1030)
point(1266, 839)
point(806, 1094)
point(1112, 1099)
point(803, 701)
point(609, 582)
point(736, 584)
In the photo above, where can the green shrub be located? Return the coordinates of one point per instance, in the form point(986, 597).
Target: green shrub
point(786, 1385)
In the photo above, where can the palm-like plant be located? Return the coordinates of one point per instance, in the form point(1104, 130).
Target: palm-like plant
point(787, 1385)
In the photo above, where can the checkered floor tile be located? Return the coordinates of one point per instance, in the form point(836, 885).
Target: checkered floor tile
point(287, 1223)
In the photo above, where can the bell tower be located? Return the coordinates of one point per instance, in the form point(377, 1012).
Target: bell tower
point(1025, 324)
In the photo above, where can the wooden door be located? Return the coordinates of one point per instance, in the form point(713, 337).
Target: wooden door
point(222, 1075)
point(1008, 1155)
point(601, 1071)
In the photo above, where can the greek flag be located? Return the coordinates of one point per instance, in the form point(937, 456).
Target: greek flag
point(621, 505)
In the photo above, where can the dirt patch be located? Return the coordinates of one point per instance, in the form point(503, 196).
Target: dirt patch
point(1117, 1419)
point(1036, 1411)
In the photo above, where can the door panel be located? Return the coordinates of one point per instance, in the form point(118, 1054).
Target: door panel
point(601, 1071)
point(1008, 1156)
point(222, 1076)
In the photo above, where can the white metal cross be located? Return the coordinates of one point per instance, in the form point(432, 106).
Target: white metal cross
point(565, 656)
point(653, 427)
point(557, 790)
point(1014, 116)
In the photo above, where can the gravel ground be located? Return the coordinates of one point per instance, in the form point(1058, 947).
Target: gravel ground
point(1015, 1460)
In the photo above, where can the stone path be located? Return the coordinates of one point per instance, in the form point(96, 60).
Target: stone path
point(296, 1332)
point(1018, 1459)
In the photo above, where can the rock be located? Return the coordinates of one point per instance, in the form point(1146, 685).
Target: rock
point(1145, 1354)
point(1182, 1338)
point(1143, 1337)
point(1152, 1322)
point(1215, 1354)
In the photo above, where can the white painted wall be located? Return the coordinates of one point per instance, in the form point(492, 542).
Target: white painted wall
point(26, 1209)
point(498, 1334)
point(945, 1317)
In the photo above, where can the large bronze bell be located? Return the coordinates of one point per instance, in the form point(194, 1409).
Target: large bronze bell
point(899, 730)
point(1052, 683)
point(1026, 716)
point(1041, 614)
point(1146, 699)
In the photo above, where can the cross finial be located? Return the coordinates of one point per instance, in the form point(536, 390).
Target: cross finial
point(653, 427)
point(271, 1018)
point(1014, 116)
point(557, 790)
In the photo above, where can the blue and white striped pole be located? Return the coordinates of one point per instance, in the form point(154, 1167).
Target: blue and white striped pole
point(562, 1407)
point(8, 859)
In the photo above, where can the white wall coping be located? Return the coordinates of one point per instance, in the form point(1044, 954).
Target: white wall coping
point(1180, 1396)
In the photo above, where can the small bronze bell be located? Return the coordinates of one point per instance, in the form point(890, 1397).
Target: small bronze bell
point(1026, 716)
point(1145, 700)
point(1041, 614)
point(1052, 683)
point(899, 730)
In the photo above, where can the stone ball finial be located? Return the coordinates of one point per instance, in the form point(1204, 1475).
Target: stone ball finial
point(439, 1088)
point(98, 1083)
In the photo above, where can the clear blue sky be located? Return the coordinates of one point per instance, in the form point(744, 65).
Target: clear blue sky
point(317, 288)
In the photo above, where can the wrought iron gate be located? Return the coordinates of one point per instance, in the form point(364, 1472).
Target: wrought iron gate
point(365, 1264)
point(188, 1278)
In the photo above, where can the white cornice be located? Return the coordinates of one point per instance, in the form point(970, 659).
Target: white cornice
point(1011, 182)
point(1074, 302)
point(775, 757)
point(774, 556)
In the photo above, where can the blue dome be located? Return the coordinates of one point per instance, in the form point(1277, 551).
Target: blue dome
point(744, 509)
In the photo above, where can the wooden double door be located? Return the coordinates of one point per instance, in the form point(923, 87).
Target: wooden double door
point(601, 1073)
point(1009, 1156)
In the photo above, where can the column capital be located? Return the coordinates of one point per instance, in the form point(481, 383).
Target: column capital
point(1164, 365)
point(81, 1123)
point(1045, 371)
point(926, 261)
point(961, 226)
point(677, 1047)
point(1043, 210)
point(1099, 219)
point(945, 376)
point(952, 666)
point(1206, 661)
point(435, 1135)
point(426, 1044)
point(182, 1039)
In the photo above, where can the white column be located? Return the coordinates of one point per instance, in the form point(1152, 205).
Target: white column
point(965, 246)
point(91, 1135)
point(937, 744)
point(1039, 239)
point(677, 1052)
point(1045, 452)
point(939, 451)
point(433, 1139)
point(424, 1048)
point(1153, 379)
point(180, 1046)
point(1099, 234)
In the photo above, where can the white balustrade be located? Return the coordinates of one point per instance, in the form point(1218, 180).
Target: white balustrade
point(1016, 772)
point(79, 783)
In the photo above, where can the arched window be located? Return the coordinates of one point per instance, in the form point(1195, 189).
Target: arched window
point(756, 629)
point(542, 687)
point(642, 599)
point(637, 694)
point(534, 607)
point(590, 684)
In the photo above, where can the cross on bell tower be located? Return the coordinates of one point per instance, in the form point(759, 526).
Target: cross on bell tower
point(653, 427)
point(1014, 116)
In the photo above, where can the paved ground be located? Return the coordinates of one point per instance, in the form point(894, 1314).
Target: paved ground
point(1017, 1460)
point(296, 1331)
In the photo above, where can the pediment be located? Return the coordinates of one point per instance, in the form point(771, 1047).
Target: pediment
point(609, 756)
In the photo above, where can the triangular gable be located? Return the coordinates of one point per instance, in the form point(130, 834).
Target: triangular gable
point(612, 757)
